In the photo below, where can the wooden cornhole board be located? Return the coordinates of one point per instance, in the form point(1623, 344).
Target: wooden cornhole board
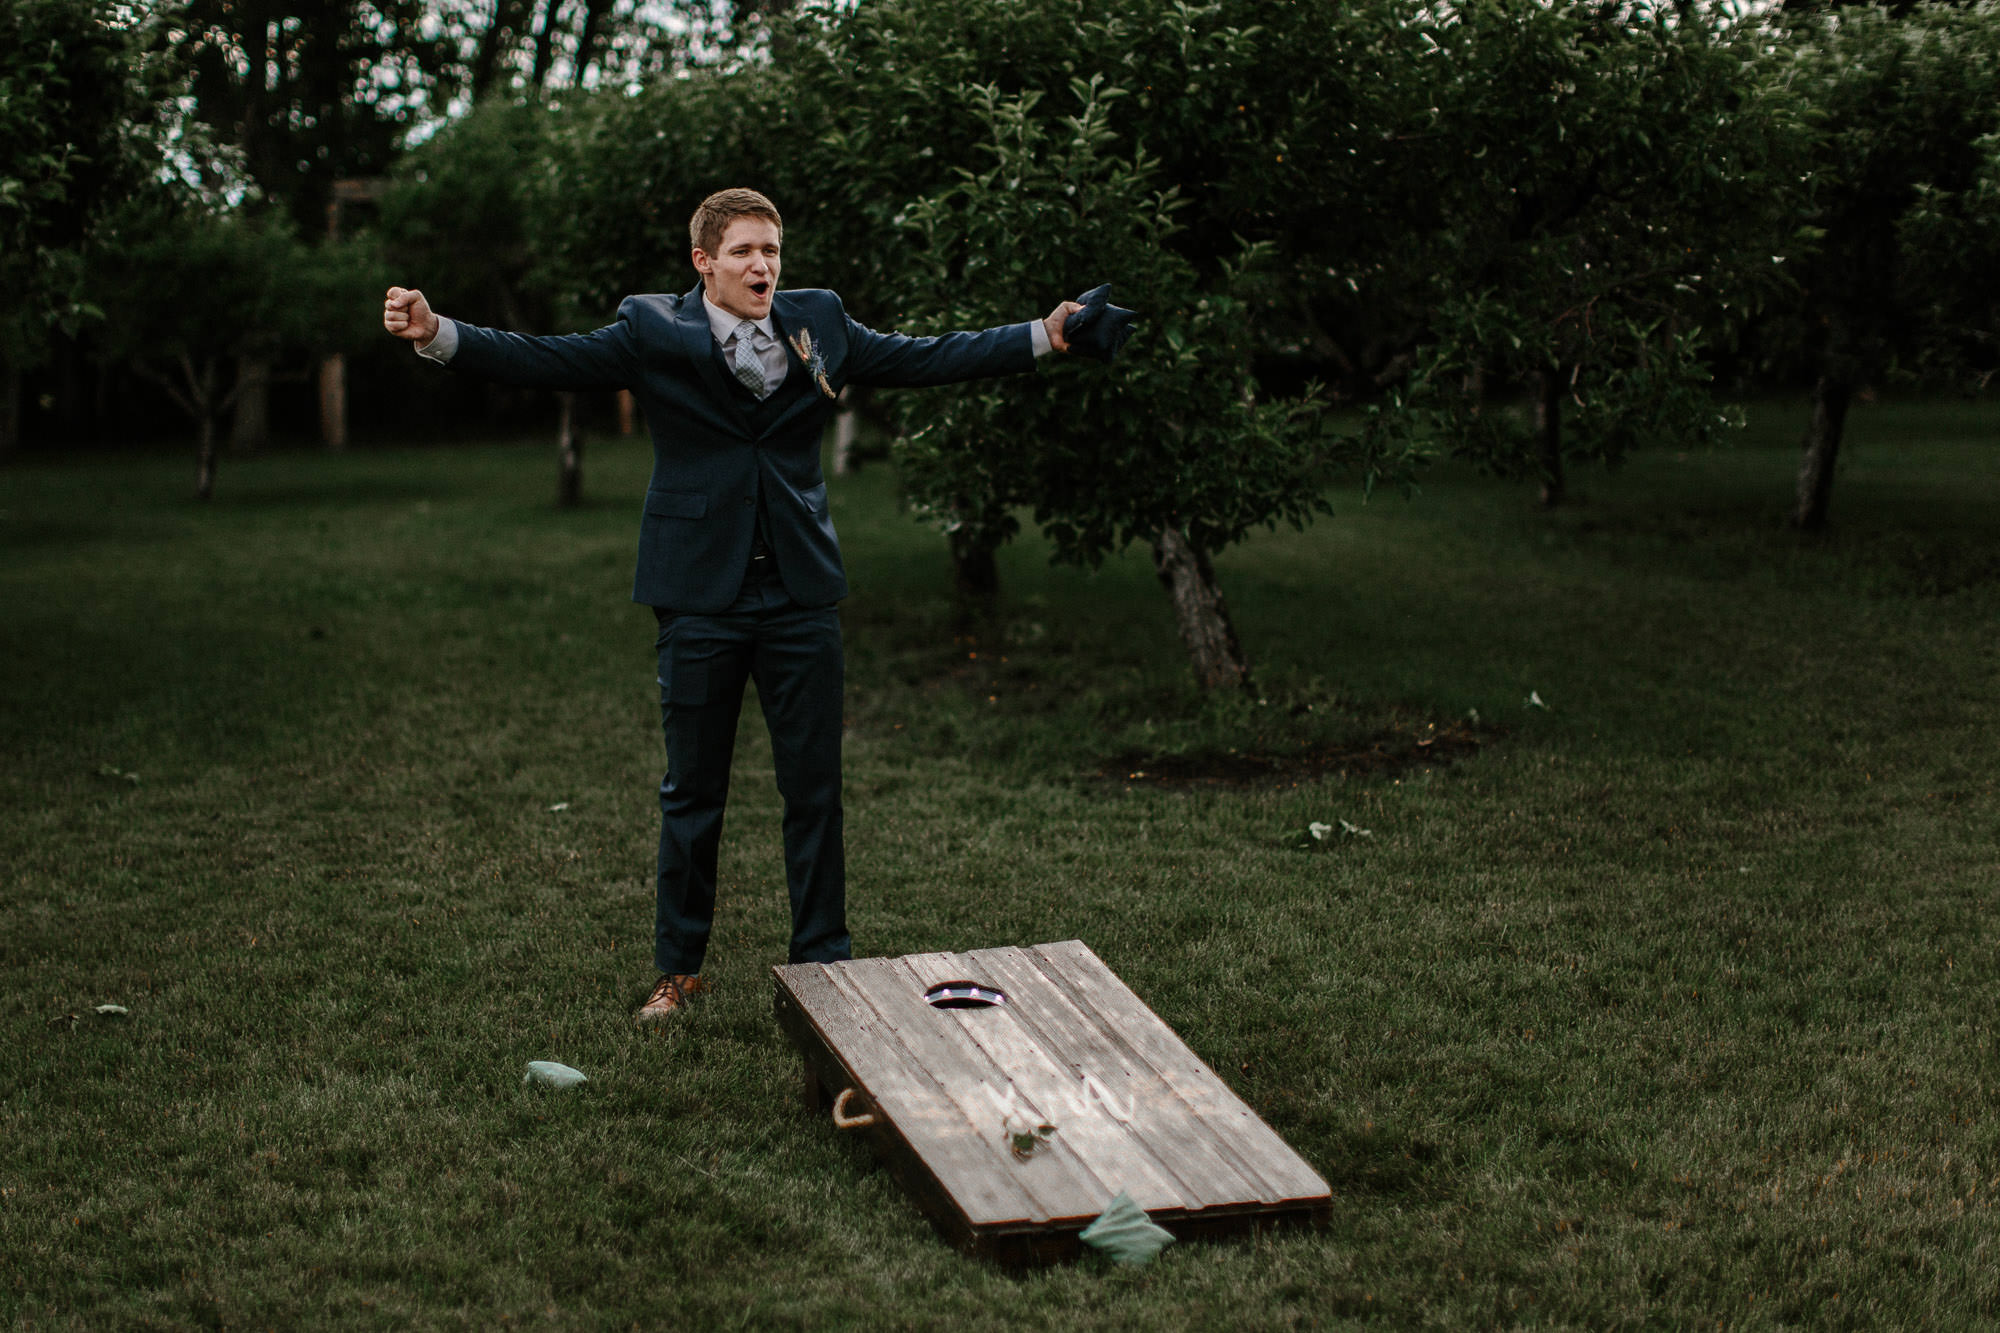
point(1073, 1047)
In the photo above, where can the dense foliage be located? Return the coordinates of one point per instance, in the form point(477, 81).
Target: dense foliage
point(1519, 232)
point(1902, 280)
point(78, 100)
point(1602, 201)
point(195, 292)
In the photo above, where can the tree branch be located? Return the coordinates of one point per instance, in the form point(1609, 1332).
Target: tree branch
point(157, 377)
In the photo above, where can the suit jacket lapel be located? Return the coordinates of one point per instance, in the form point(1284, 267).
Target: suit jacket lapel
point(698, 340)
point(800, 390)
point(789, 326)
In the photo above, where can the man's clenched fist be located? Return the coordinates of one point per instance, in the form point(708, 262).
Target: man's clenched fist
point(1054, 324)
point(407, 315)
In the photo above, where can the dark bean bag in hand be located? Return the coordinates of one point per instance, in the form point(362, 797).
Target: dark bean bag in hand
point(1100, 328)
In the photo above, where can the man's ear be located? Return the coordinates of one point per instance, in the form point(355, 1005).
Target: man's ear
point(702, 263)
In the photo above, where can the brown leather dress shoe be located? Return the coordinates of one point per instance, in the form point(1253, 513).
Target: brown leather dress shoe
point(670, 992)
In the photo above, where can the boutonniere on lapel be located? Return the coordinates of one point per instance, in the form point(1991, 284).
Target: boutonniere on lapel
point(802, 343)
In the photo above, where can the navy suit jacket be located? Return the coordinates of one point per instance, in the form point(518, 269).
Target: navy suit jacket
point(714, 443)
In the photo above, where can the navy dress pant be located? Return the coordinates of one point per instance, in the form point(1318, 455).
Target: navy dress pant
point(793, 653)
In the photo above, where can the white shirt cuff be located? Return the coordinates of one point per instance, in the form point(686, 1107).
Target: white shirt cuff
point(444, 346)
point(1038, 334)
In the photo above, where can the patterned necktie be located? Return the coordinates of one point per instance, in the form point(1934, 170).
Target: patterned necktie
point(748, 368)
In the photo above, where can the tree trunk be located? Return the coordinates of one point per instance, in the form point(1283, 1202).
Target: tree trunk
point(587, 34)
point(489, 58)
point(569, 445)
point(1474, 388)
point(975, 590)
point(204, 467)
point(1548, 436)
point(545, 43)
point(1832, 393)
point(1199, 611)
point(70, 396)
point(100, 398)
point(845, 427)
point(628, 413)
point(333, 402)
point(10, 408)
point(250, 428)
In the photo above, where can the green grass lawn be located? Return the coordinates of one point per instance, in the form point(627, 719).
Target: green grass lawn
point(1673, 1005)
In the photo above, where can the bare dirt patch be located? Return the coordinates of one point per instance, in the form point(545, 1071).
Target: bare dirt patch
point(1390, 752)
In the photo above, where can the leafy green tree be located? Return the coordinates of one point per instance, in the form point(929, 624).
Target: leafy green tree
point(626, 173)
point(860, 135)
point(304, 97)
point(75, 114)
point(457, 219)
point(1174, 445)
point(484, 212)
point(511, 48)
point(308, 93)
point(457, 212)
point(1138, 144)
point(1273, 122)
point(187, 289)
point(1905, 276)
point(1570, 196)
point(1602, 192)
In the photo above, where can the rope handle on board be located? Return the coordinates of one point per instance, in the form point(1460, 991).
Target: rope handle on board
point(842, 1120)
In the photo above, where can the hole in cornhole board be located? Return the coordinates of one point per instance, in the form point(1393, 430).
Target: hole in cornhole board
point(963, 995)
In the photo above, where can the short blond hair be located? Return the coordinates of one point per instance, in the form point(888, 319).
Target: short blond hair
point(716, 212)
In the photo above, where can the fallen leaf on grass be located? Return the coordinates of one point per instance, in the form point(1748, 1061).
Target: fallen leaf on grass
point(1535, 700)
point(1318, 835)
point(111, 1010)
point(559, 805)
point(116, 773)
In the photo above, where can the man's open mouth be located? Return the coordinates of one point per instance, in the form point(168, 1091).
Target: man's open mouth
point(761, 288)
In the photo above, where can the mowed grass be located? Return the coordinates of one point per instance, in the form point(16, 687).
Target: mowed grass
point(1672, 1006)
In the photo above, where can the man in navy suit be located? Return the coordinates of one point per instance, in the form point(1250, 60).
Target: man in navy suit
point(737, 555)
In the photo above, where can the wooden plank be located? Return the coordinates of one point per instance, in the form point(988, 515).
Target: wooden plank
point(1233, 1126)
point(1217, 1132)
point(939, 1124)
point(1053, 1179)
point(1048, 1179)
point(1098, 1130)
point(871, 1055)
point(1170, 1132)
point(1222, 1133)
point(918, 1177)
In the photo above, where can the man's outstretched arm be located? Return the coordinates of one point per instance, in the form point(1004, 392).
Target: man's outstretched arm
point(601, 360)
point(896, 360)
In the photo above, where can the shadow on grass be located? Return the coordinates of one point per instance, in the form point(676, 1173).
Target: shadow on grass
point(1373, 1162)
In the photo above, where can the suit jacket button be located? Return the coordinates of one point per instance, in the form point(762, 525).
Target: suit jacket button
point(749, 499)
